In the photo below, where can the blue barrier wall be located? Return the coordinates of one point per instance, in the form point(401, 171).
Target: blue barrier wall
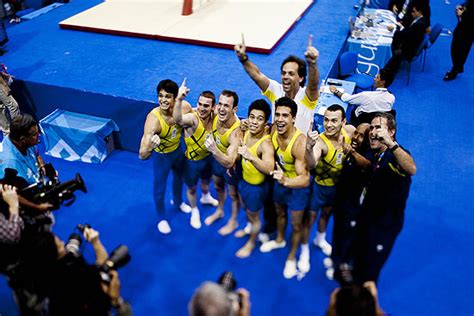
point(41, 99)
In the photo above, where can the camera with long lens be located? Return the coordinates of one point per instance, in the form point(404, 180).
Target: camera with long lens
point(228, 282)
point(73, 245)
point(343, 275)
point(52, 191)
point(118, 258)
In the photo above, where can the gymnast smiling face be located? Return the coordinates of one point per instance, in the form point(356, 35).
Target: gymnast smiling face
point(166, 100)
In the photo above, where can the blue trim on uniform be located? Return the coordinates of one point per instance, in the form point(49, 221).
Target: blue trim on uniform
point(321, 196)
point(197, 169)
point(230, 176)
point(295, 199)
point(253, 196)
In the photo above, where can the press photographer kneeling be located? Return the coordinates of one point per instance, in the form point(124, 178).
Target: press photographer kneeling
point(63, 282)
point(220, 299)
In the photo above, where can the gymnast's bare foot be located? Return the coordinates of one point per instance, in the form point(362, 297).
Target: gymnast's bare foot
point(228, 228)
point(212, 218)
point(243, 232)
point(246, 250)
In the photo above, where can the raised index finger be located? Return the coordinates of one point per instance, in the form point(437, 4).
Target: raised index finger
point(310, 40)
point(243, 40)
point(184, 82)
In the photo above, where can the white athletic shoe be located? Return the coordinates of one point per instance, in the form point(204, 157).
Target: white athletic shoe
point(208, 199)
point(272, 245)
point(164, 227)
point(185, 208)
point(330, 274)
point(303, 263)
point(324, 245)
point(290, 270)
point(195, 219)
point(327, 262)
point(263, 237)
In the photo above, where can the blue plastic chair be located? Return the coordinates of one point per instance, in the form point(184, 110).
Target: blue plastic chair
point(348, 71)
point(435, 32)
point(418, 54)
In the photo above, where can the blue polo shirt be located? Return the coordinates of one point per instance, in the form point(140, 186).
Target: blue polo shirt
point(26, 166)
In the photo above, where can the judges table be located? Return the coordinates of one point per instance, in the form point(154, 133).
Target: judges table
point(371, 39)
point(326, 98)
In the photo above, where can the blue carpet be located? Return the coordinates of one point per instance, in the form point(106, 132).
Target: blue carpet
point(430, 270)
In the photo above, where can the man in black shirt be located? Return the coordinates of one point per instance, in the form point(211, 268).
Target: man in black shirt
point(347, 206)
point(463, 37)
point(384, 197)
point(407, 40)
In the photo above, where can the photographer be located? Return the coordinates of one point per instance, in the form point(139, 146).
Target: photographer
point(11, 227)
point(11, 224)
point(78, 288)
point(212, 299)
point(20, 154)
point(355, 300)
point(61, 280)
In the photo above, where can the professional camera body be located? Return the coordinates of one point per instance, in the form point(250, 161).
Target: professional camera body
point(227, 281)
point(48, 190)
point(118, 258)
point(51, 190)
point(82, 283)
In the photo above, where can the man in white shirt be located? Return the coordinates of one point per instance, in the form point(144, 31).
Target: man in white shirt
point(293, 79)
point(367, 103)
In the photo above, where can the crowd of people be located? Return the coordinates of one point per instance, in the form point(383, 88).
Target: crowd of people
point(47, 277)
point(287, 169)
point(273, 163)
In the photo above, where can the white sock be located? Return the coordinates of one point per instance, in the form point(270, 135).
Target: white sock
point(206, 195)
point(320, 237)
point(195, 220)
point(185, 207)
point(305, 250)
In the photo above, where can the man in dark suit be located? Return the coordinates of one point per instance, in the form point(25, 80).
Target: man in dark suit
point(407, 40)
point(402, 9)
point(463, 36)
